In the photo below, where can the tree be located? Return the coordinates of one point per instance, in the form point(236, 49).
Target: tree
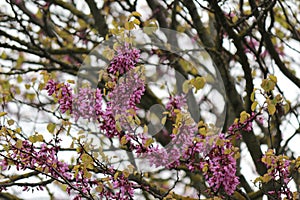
point(188, 91)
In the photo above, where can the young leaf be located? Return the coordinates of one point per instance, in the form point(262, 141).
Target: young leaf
point(244, 116)
point(3, 114)
point(286, 107)
point(271, 108)
point(148, 142)
point(123, 140)
point(185, 86)
point(198, 82)
point(253, 106)
point(10, 122)
point(136, 14)
point(19, 144)
point(51, 127)
point(273, 78)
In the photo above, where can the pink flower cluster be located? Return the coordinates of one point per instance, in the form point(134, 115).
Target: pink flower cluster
point(63, 93)
point(221, 167)
point(169, 156)
point(51, 87)
point(87, 104)
point(176, 102)
point(279, 170)
point(44, 158)
point(124, 97)
point(184, 148)
point(27, 156)
point(82, 184)
point(124, 188)
point(245, 126)
point(122, 103)
point(107, 123)
point(125, 60)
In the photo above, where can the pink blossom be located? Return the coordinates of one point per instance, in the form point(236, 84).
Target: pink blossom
point(44, 158)
point(247, 125)
point(51, 86)
point(124, 98)
point(221, 167)
point(176, 102)
point(87, 104)
point(65, 100)
point(279, 170)
point(107, 124)
point(3, 164)
point(125, 60)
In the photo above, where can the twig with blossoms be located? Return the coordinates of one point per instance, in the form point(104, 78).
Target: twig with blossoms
point(24, 155)
point(279, 171)
point(119, 116)
point(244, 123)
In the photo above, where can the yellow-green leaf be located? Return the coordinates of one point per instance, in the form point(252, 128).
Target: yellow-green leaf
point(205, 168)
point(10, 122)
point(19, 144)
point(258, 179)
point(3, 55)
point(175, 131)
point(163, 120)
point(268, 85)
point(148, 142)
point(123, 140)
point(18, 130)
point(266, 178)
point(227, 151)
point(86, 159)
point(71, 81)
point(51, 127)
point(235, 19)
point(126, 173)
point(116, 175)
point(87, 175)
point(41, 86)
point(118, 126)
point(136, 21)
point(137, 120)
point(32, 139)
point(3, 114)
point(202, 131)
point(286, 107)
point(19, 79)
point(252, 97)
point(99, 188)
point(278, 98)
point(145, 129)
point(273, 78)
point(199, 82)
point(253, 106)
point(244, 116)
point(109, 53)
point(185, 86)
point(129, 25)
point(136, 14)
point(27, 86)
point(39, 138)
point(271, 108)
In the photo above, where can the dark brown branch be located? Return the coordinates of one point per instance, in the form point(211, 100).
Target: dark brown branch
point(270, 46)
point(99, 20)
